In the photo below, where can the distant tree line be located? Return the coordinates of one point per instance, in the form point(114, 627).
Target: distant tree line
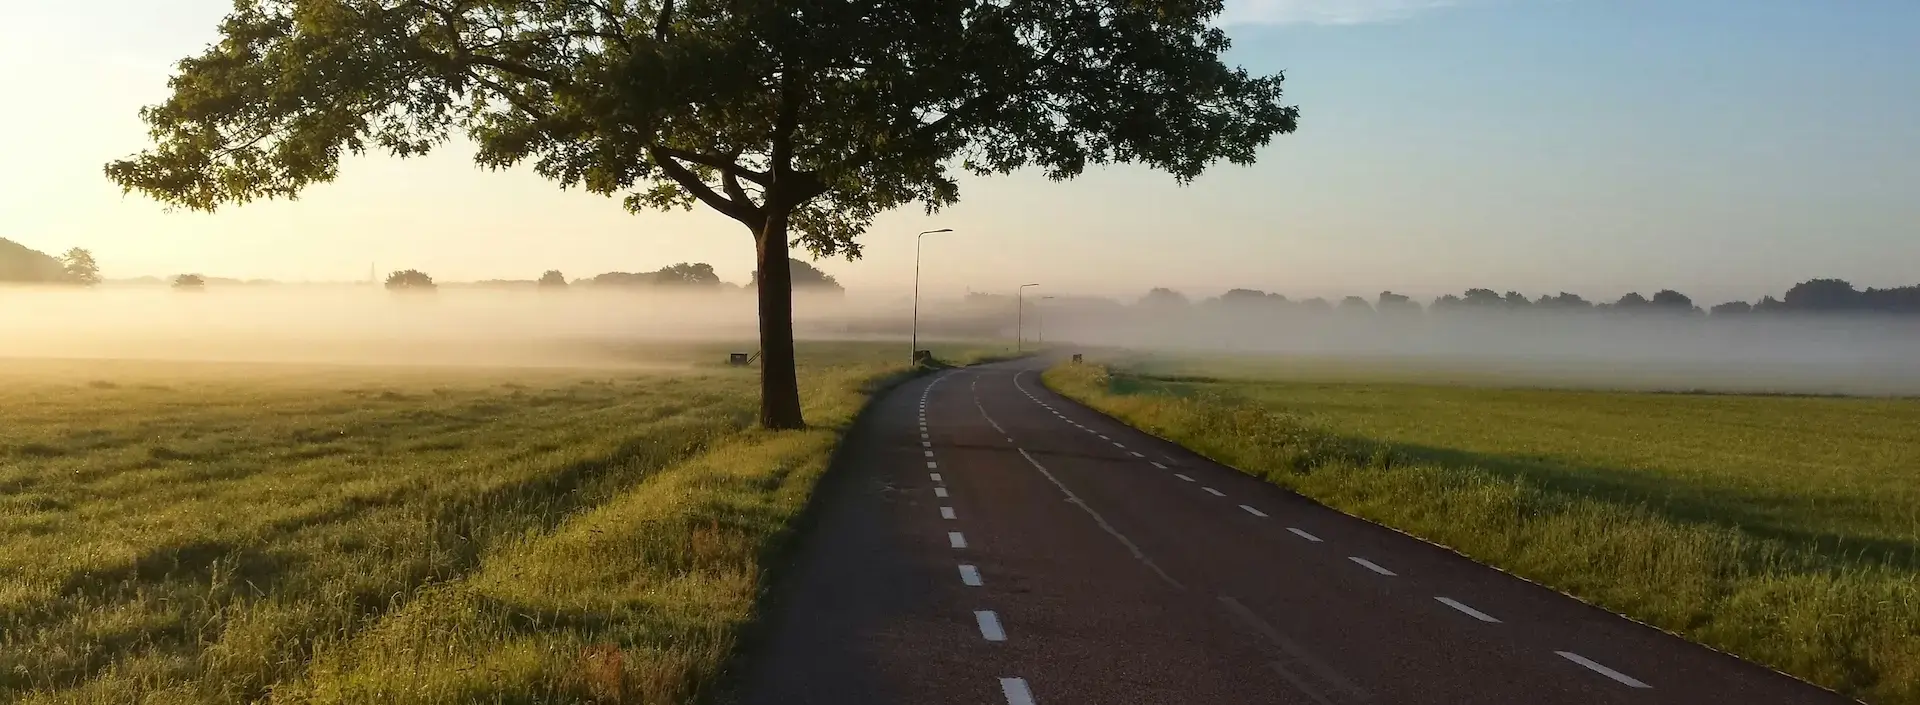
point(1816, 296)
point(20, 264)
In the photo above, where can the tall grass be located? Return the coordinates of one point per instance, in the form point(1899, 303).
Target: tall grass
point(1849, 622)
point(395, 536)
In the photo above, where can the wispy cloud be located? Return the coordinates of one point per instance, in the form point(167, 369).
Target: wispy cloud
point(1326, 11)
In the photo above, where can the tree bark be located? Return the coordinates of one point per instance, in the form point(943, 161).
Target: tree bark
point(779, 386)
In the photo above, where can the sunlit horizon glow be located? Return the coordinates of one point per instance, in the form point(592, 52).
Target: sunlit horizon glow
point(1727, 150)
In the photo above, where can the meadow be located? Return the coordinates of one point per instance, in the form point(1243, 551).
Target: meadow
point(192, 532)
point(1784, 529)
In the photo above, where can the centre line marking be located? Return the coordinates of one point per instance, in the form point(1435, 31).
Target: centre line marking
point(956, 540)
point(1251, 510)
point(989, 625)
point(939, 491)
point(1104, 438)
point(1137, 454)
point(926, 444)
point(935, 476)
point(946, 513)
point(1629, 681)
point(929, 453)
point(923, 436)
point(931, 465)
point(970, 575)
point(1471, 612)
point(1304, 535)
point(1157, 465)
point(1214, 492)
point(1370, 565)
point(1183, 477)
point(1016, 691)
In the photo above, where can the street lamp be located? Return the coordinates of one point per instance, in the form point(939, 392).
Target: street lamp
point(1019, 317)
point(914, 347)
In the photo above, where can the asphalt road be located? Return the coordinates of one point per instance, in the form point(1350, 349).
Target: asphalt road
point(986, 541)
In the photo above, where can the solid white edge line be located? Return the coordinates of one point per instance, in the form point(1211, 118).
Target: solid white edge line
point(1629, 681)
point(1183, 477)
point(1303, 534)
point(1470, 612)
point(1214, 492)
point(956, 539)
point(1157, 465)
point(1255, 512)
point(939, 491)
point(989, 625)
point(970, 575)
point(1370, 565)
point(935, 476)
point(1016, 691)
point(947, 513)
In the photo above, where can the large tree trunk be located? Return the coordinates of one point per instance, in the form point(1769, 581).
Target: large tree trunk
point(779, 387)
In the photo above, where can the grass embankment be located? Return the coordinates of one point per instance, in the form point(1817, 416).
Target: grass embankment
point(177, 533)
point(1782, 529)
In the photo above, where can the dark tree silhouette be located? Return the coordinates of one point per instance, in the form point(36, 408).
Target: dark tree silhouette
point(1162, 298)
point(1483, 297)
point(1822, 295)
point(1390, 302)
point(409, 280)
point(1564, 301)
point(1516, 299)
point(190, 282)
point(1731, 308)
point(1633, 301)
point(1769, 304)
point(1355, 304)
point(1447, 302)
point(805, 277)
point(1670, 300)
point(800, 120)
point(1316, 305)
point(553, 279)
point(684, 274)
point(22, 264)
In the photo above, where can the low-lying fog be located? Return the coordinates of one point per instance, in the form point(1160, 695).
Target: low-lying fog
point(584, 326)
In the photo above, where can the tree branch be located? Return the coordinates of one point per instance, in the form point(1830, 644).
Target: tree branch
point(692, 183)
point(724, 164)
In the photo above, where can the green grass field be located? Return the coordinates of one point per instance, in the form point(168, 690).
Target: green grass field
point(176, 532)
point(1783, 529)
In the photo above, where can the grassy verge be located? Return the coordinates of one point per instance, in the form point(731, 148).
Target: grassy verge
point(180, 534)
point(1786, 535)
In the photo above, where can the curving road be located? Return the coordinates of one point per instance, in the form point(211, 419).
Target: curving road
point(984, 540)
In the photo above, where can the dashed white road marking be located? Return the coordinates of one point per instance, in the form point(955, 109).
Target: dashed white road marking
point(1214, 492)
point(989, 625)
point(1157, 465)
point(939, 491)
point(1183, 477)
point(1471, 612)
point(1629, 681)
point(1251, 510)
point(1016, 691)
point(1370, 565)
point(946, 513)
point(926, 444)
point(923, 436)
point(1104, 438)
point(935, 476)
point(970, 575)
point(929, 453)
point(956, 540)
point(1137, 454)
point(1102, 521)
point(1116, 444)
point(1304, 535)
point(931, 465)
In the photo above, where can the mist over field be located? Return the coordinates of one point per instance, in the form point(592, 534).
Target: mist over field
point(610, 327)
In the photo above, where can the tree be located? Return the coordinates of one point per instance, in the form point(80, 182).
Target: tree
point(1486, 298)
point(553, 279)
point(1516, 299)
point(1163, 298)
point(1670, 300)
point(1563, 300)
point(1633, 301)
point(1731, 308)
point(410, 280)
point(80, 268)
point(803, 275)
point(1316, 305)
point(19, 263)
point(1355, 304)
point(190, 282)
point(1822, 295)
point(800, 120)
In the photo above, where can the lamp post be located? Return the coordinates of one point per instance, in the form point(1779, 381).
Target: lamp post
point(1019, 317)
point(914, 347)
point(1040, 321)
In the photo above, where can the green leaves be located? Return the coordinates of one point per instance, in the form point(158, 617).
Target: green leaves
point(881, 99)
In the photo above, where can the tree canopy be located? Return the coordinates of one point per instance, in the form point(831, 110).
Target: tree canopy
point(22, 264)
point(553, 278)
point(410, 280)
point(800, 119)
point(190, 282)
point(80, 267)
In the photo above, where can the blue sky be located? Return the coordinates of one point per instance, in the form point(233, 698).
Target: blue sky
point(1726, 149)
